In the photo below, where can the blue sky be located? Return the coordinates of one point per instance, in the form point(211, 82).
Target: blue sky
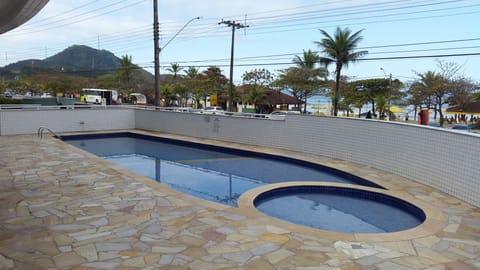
point(277, 31)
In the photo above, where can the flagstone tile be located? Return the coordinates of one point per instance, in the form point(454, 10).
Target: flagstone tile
point(106, 247)
point(89, 252)
point(68, 259)
point(80, 213)
point(168, 249)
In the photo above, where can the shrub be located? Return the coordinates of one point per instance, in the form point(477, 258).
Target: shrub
point(9, 101)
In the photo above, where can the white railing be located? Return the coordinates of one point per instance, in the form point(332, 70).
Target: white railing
point(20, 106)
point(37, 107)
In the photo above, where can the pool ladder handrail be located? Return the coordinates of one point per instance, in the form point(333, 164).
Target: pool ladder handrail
point(41, 130)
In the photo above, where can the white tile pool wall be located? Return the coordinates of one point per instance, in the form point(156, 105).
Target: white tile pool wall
point(445, 160)
point(13, 122)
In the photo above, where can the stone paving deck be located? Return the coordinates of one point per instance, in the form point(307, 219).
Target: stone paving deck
point(62, 208)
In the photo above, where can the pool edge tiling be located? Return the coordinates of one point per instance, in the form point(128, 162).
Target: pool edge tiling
point(63, 208)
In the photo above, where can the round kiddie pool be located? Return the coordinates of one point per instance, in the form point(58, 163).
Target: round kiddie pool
point(336, 207)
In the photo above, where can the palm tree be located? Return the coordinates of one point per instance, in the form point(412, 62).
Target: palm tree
point(339, 49)
point(309, 60)
point(125, 72)
point(175, 69)
point(191, 72)
point(307, 67)
point(167, 92)
point(126, 68)
point(256, 96)
point(191, 82)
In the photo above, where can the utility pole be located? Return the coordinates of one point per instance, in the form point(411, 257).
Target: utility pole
point(234, 26)
point(157, 49)
point(389, 96)
point(157, 52)
point(389, 92)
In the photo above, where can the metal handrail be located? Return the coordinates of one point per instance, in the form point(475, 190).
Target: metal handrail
point(41, 130)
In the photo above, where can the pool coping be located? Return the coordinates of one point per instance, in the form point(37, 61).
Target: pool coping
point(435, 220)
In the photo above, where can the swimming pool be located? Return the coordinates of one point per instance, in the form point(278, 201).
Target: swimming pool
point(209, 172)
point(339, 209)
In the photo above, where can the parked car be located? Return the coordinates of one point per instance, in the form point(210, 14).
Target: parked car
point(185, 109)
point(214, 110)
point(461, 127)
point(280, 115)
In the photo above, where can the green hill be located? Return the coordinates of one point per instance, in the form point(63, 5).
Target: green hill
point(76, 60)
point(80, 58)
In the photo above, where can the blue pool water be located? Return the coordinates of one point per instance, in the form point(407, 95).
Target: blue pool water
point(340, 209)
point(211, 173)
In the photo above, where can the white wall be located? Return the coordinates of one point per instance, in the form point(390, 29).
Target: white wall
point(442, 159)
point(14, 122)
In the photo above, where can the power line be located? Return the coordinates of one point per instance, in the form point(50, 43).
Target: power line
point(317, 12)
point(331, 22)
point(205, 30)
point(421, 56)
point(358, 9)
point(291, 55)
point(282, 63)
point(126, 46)
point(252, 18)
point(423, 50)
point(63, 13)
point(359, 60)
point(25, 30)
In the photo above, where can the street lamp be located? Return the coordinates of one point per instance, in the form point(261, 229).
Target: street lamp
point(158, 49)
point(179, 31)
point(389, 92)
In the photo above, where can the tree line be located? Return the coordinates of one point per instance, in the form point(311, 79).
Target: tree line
point(309, 76)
